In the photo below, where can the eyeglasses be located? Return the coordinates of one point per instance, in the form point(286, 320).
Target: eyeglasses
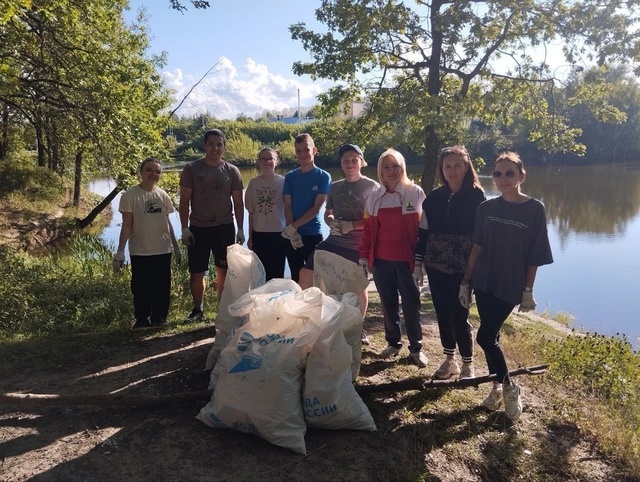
point(265, 159)
point(509, 174)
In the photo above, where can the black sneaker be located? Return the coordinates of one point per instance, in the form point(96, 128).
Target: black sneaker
point(195, 316)
point(158, 322)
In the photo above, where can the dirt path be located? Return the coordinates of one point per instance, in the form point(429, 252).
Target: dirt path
point(417, 432)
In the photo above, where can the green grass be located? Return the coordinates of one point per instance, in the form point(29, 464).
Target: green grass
point(76, 291)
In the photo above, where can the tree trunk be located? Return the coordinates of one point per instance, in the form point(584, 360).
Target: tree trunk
point(83, 223)
point(431, 138)
point(41, 158)
point(77, 181)
point(4, 143)
point(432, 146)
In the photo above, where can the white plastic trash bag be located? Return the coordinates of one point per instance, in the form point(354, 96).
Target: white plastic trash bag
point(245, 272)
point(352, 330)
point(330, 399)
point(261, 369)
point(240, 309)
point(335, 275)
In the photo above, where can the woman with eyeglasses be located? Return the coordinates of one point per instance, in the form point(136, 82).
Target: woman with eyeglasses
point(444, 244)
point(390, 233)
point(510, 242)
point(264, 202)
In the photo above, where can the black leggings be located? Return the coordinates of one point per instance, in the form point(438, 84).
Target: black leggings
point(493, 313)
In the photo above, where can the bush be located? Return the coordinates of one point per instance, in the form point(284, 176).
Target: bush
point(61, 293)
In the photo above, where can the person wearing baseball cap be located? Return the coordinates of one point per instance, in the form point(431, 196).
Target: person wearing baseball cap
point(343, 214)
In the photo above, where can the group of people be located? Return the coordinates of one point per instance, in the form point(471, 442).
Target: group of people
point(390, 228)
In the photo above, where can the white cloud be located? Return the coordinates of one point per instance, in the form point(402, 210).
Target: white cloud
point(228, 91)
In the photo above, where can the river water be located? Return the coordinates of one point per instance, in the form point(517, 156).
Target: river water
point(593, 216)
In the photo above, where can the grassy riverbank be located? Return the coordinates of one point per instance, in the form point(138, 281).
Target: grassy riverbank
point(64, 325)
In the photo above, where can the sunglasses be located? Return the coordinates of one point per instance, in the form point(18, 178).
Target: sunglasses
point(509, 174)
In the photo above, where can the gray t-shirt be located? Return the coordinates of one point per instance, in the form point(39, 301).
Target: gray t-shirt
point(512, 236)
point(347, 200)
point(264, 201)
point(211, 192)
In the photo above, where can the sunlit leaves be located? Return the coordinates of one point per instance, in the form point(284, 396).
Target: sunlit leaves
point(82, 79)
point(434, 66)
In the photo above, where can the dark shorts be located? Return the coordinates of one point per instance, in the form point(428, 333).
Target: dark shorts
point(347, 253)
point(214, 240)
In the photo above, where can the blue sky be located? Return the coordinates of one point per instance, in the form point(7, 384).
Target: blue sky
point(250, 39)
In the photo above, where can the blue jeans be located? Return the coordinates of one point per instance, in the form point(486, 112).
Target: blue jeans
point(390, 278)
point(493, 313)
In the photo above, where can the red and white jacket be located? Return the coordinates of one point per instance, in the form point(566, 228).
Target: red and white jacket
point(411, 196)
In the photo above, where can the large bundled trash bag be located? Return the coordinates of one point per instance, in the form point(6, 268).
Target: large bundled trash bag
point(260, 372)
point(342, 279)
point(245, 272)
point(330, 399)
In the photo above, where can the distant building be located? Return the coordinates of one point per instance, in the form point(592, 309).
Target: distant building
point(291, 120)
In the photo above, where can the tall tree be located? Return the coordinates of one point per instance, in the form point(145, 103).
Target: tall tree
point(81, 77)
point(438, 64)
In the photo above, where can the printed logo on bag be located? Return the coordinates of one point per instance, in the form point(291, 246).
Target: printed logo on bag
point(247, 338)
point(247, 363)
point(410, 206)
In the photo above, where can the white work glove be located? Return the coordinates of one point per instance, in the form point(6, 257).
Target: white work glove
point(177, 254)
point(288, 232)
point(240, 236)
point(418, 275)
point(296, 241)
point(364, 264)
point(527, 303)
point(118, 260)
point(464, 296)
point(338, 227)
point(187, 237)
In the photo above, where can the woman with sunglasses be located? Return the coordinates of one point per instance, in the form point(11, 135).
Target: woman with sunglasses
point(444, 244)
point(510, 242)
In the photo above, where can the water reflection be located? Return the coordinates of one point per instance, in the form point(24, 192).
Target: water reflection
point(599, 200)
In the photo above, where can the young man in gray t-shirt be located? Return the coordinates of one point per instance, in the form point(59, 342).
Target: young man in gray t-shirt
point(210, 198)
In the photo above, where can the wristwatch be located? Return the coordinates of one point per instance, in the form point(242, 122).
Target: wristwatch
point(527, 289)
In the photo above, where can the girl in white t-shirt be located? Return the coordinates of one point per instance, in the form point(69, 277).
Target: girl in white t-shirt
point(264, 202)
point(145, 212)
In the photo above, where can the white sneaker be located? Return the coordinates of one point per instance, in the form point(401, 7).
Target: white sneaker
point(512, 401)
point(448, 368)
point(418, 358)
point(389, 352)
point(467, 371)
point(365, 338)
point(494, 399)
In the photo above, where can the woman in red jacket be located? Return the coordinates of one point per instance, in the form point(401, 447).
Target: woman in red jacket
point(391, 218)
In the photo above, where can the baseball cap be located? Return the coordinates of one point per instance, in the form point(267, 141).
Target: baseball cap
point(349, 147)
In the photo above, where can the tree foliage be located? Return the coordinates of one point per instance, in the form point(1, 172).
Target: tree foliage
point(434, 66)
point(180, 6)
point(79, 76)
